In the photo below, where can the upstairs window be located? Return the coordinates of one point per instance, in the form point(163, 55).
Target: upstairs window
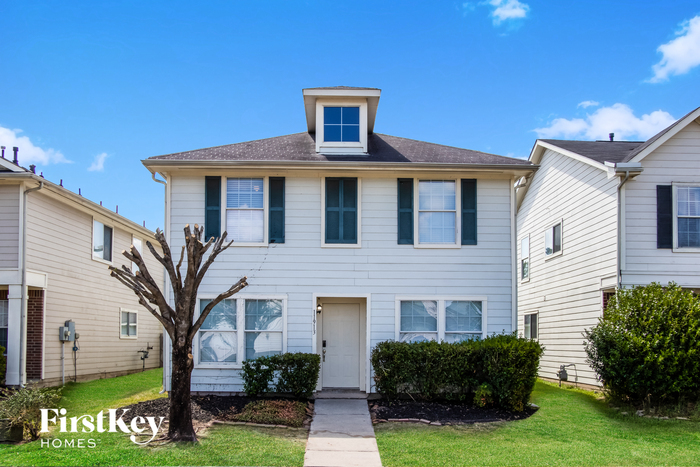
point(437, 211)
point(341, 124)
point(525, 259)
point(552, 240)
point(245, 210)
point(101, 241)
point(688, 213)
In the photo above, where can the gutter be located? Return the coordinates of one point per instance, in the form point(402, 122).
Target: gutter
point(166, 289)
point(23, 320)
point(630, 170)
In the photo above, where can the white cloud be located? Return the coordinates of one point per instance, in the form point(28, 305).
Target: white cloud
point(618, 119)
point(28, 153)
point(505, 10)
point(587, 104)
point(681, 54)
point(98, 164)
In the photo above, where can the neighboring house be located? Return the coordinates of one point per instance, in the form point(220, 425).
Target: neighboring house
point(599, 215)
point(348, 238)
point(55, 248)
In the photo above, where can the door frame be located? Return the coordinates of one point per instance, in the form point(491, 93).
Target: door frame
point(316, 334)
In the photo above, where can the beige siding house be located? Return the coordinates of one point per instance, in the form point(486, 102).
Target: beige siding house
point(599, 215)
point(55, 248)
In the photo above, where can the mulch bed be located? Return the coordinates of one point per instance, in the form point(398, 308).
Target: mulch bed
point(205, 409)
point(437, 413)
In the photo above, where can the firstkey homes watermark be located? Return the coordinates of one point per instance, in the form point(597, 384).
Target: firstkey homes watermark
point(96, 424)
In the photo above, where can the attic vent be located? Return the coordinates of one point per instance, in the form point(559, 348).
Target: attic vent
point(612, 136)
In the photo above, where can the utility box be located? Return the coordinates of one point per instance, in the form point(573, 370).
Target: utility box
point(67, 333)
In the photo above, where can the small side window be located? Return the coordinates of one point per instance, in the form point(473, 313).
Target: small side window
point(525, 259)
point(552, 240)
point(101, 241)
point(531, 330)
point(128, 328)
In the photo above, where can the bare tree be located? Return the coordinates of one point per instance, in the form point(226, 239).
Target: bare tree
point(178, 322)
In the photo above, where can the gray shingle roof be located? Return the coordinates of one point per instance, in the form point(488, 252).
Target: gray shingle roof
point(599, 151)
point(301, 147)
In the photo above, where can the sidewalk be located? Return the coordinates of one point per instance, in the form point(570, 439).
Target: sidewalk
point(341, 435)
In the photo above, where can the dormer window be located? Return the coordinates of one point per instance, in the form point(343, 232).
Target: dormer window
point(341, 118)
point(341, 124)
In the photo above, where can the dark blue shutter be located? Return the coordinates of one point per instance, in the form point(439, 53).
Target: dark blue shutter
point(276, 215)
point(341, 210)
point(212, 201)
point(405, 211)
point(468, 212)
point(664, 216)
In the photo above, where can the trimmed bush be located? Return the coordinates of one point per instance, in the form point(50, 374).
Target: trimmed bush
point(500, 370)
point(22, 407)
point(296, 374)
point(646, 348)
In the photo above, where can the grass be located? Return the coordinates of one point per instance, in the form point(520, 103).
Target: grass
point(572, 427)
point(220, 445)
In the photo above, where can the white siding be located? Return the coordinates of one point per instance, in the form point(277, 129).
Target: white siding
point(9, 226)
point(381, 267)
point(677, 160)
point(59, 244)
point(566, 289)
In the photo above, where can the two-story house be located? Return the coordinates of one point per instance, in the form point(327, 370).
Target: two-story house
point(55, 249)
point(348, 238)
point(599, 215)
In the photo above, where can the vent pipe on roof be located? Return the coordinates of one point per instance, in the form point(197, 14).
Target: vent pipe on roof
point(612, 136)
point(15, 149)
point(32, 167)
point(3, 151)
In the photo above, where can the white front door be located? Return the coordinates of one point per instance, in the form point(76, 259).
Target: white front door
point(341, 344)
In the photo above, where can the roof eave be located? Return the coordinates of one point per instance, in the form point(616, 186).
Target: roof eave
point(157, 165)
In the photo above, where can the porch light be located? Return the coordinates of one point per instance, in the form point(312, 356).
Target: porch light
point(319, 309)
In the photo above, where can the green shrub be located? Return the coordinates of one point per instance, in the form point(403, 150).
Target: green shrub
point(646, 348)
point(502, 368)
point(296, 374)
point(3, 365)
point(22, 407)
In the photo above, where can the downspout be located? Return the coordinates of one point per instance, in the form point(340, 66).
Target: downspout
point(23, 320)
point(165, 218)
point(619, 228)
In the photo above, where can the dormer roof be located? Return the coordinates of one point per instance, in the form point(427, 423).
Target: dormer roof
point(312, 94)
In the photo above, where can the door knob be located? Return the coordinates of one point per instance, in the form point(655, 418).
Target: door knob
point(324, 355)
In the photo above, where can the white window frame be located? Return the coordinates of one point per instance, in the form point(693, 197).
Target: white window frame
point(127, 310)
point(523, 258)
point(323, 213)
point(92, 240)
point(240, 328)
point(676, 248)
point(458, 213)
point(266, 209)
point(441, 299)
point(530, 313)
point(341, 147)
point(551, 226)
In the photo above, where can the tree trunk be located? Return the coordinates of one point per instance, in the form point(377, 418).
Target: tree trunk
point(180, 419)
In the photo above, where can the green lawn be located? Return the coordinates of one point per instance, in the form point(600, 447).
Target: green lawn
point(571, 427)
point(221, 445)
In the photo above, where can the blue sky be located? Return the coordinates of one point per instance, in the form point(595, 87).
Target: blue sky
point(89, 89)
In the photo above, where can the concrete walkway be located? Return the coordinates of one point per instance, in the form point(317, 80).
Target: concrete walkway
point(341, 435)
